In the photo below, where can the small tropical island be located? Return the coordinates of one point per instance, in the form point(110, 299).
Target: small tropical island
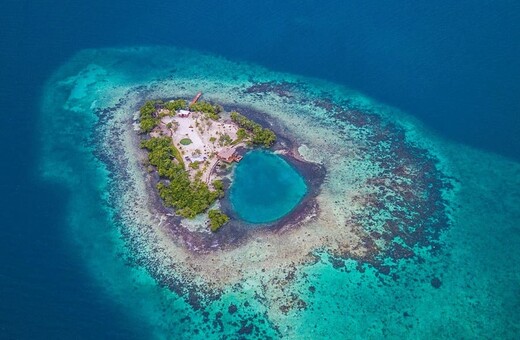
point(187, 142)
point(383, 224)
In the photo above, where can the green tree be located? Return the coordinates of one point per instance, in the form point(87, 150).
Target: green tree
point(147, 113)
point(218, 185)
point(148, 124)
point(241, 134)
point(217, 219)
point(211, 111)
point(175, 105)
point(261, 136)
point(224, 139)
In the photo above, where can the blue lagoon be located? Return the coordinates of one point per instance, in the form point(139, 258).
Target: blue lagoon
point(265, 188)
point(388, 230)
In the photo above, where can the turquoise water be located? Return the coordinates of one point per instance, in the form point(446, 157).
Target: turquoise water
point(453, 64)
point(447, 294)
point(265, 187)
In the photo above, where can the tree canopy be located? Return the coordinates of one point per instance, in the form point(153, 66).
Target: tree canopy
point(176, 190)
point(175, 105)
point(148, 121)
point(217, 219)
point(212, 111)
point(260, 136)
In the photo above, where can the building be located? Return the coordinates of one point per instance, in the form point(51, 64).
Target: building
point(228, 155)
point(183, 113)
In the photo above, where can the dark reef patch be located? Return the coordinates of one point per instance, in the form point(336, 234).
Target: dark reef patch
point(409, 189)
point(236, 231)
point(436, 282)
point(232, 309)
point(281, 89)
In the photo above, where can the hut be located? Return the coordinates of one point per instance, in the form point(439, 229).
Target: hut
point(227, 155)
point(183, 113)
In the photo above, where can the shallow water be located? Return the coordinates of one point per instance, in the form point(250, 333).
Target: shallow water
point(454, 65)
point(446, 293)
point(265, 188)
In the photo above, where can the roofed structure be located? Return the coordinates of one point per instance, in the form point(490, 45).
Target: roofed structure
point(228, 155)
point(183, 113)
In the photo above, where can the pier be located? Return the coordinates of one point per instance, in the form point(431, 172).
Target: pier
point(194, 100)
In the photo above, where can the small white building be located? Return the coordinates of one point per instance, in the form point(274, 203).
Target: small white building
point(183, 113)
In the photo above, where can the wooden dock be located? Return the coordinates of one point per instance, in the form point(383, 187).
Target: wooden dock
point(194, 100)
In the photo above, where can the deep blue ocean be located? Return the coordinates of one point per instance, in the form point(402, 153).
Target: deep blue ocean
point(455, 65)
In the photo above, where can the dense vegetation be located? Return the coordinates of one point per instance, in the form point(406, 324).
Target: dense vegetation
point(217, 219)
point(260, 136)
point(177, 191)
point(175, 105)
point(211, 111)
point(147, 116)
point(190, 198)
point(161, 153)
point(219, 187)
point(148, 112)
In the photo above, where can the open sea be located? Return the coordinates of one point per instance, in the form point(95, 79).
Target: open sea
point(453, 65)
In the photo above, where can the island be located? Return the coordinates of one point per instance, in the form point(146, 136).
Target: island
point(186, 142)
point(252, 208)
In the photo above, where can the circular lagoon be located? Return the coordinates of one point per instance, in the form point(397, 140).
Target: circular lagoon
point(265, 187)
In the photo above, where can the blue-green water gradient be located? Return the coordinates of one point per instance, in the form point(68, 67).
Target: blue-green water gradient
point(265, 187)
point(453, 64)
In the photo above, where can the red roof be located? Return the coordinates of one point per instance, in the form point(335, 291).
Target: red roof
point(226, 153)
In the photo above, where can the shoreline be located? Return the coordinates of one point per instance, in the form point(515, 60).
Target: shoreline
point(336, 220)
point(236, 231)
point(382, 239)
point(286, 147)
point(368, 247)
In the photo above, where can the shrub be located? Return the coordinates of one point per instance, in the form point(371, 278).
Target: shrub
point(261, 136)
point(148, 121)
point(217, 219)
point(175, 105)
point(206, 108)
point(185, 141)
